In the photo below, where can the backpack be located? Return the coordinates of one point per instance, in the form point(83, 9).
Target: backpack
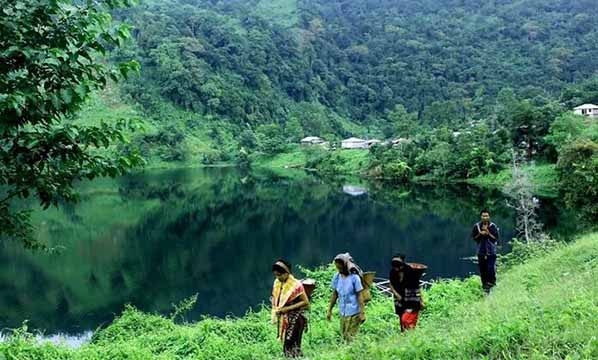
point(309, 285)
point(367, 280)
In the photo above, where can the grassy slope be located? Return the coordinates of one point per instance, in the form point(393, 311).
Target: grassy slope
point(544, 177)
point(547, 308)
point(544, 309)
point(349, 161)
point(107, 106)
point(353, 161)
point(294, 158)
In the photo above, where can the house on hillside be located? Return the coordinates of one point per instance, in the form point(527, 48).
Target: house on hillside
point(354, 143)
point(357, 143)
point(589, 110)
point(312, 140)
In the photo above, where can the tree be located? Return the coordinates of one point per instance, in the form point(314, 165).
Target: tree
point(293, 129)
point(577, 168)
point(530, 123)
point(247, 138)
point(520, 190)
point(270, 139)
point(564, 130)
point(243, 160)
point(356, 60)
point(50, 62)
point(400, 123)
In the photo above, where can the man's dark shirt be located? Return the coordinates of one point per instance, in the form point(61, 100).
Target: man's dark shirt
point(486, 244)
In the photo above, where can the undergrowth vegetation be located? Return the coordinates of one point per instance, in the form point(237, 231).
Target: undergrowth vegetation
point(544, 307)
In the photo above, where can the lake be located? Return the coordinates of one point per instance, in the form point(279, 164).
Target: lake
point(154, 238)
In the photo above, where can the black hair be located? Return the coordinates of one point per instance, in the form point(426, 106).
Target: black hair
point(400, 256)
point(345, 270)
point(280, 269)
point(485, 211)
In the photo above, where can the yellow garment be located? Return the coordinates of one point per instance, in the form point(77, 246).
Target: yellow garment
point(282, 295)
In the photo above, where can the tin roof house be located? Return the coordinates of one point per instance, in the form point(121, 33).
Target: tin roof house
point(589, 110)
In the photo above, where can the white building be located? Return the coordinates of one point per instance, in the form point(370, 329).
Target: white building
point(589, 110)
point(312, 140)
point(357, 143)
point(354, 143)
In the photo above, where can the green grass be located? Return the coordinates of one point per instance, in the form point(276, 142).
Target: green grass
point(106, 106)
point(295, 157)
point(353, 161)
point(546, 308)
point(342, 162)
point(544, 178)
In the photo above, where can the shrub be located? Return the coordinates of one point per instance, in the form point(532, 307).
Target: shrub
point(577, 169)
point(522, 251)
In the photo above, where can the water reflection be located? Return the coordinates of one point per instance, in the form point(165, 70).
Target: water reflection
point(155, 238)
point(67, 340)
point(354, 190)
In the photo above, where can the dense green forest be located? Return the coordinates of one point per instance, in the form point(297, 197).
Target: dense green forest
point(263, 74)
point(444, 60)
point(462, 82)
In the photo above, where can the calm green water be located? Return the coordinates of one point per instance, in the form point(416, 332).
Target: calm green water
point(155, 238)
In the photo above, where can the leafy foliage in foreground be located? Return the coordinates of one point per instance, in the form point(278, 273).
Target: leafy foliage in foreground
point(49, 65)
point(544, 308)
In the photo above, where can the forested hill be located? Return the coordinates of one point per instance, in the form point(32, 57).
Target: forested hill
point(321, 66)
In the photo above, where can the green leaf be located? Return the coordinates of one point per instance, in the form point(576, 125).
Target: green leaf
point(51, 61)
point(67, 96)
point(55, 101)
point(81, 90)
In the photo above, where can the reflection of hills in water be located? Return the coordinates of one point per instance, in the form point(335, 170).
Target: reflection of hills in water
point(154, 239)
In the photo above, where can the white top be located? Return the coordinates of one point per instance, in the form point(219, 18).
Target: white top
point(353, 139)
point(586, 106)
point(310, 139)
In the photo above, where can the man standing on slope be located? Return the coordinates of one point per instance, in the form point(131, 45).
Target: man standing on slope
point(485, 234)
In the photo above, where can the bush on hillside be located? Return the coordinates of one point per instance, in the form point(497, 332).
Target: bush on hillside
point(522, 251)
point(578, 174)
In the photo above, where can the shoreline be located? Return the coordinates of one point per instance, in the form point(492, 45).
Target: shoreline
point(504, 322)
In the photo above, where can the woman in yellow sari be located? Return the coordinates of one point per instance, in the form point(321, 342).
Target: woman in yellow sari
point(289, 301)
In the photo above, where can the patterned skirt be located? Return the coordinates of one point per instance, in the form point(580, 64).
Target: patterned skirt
point(297, 324)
